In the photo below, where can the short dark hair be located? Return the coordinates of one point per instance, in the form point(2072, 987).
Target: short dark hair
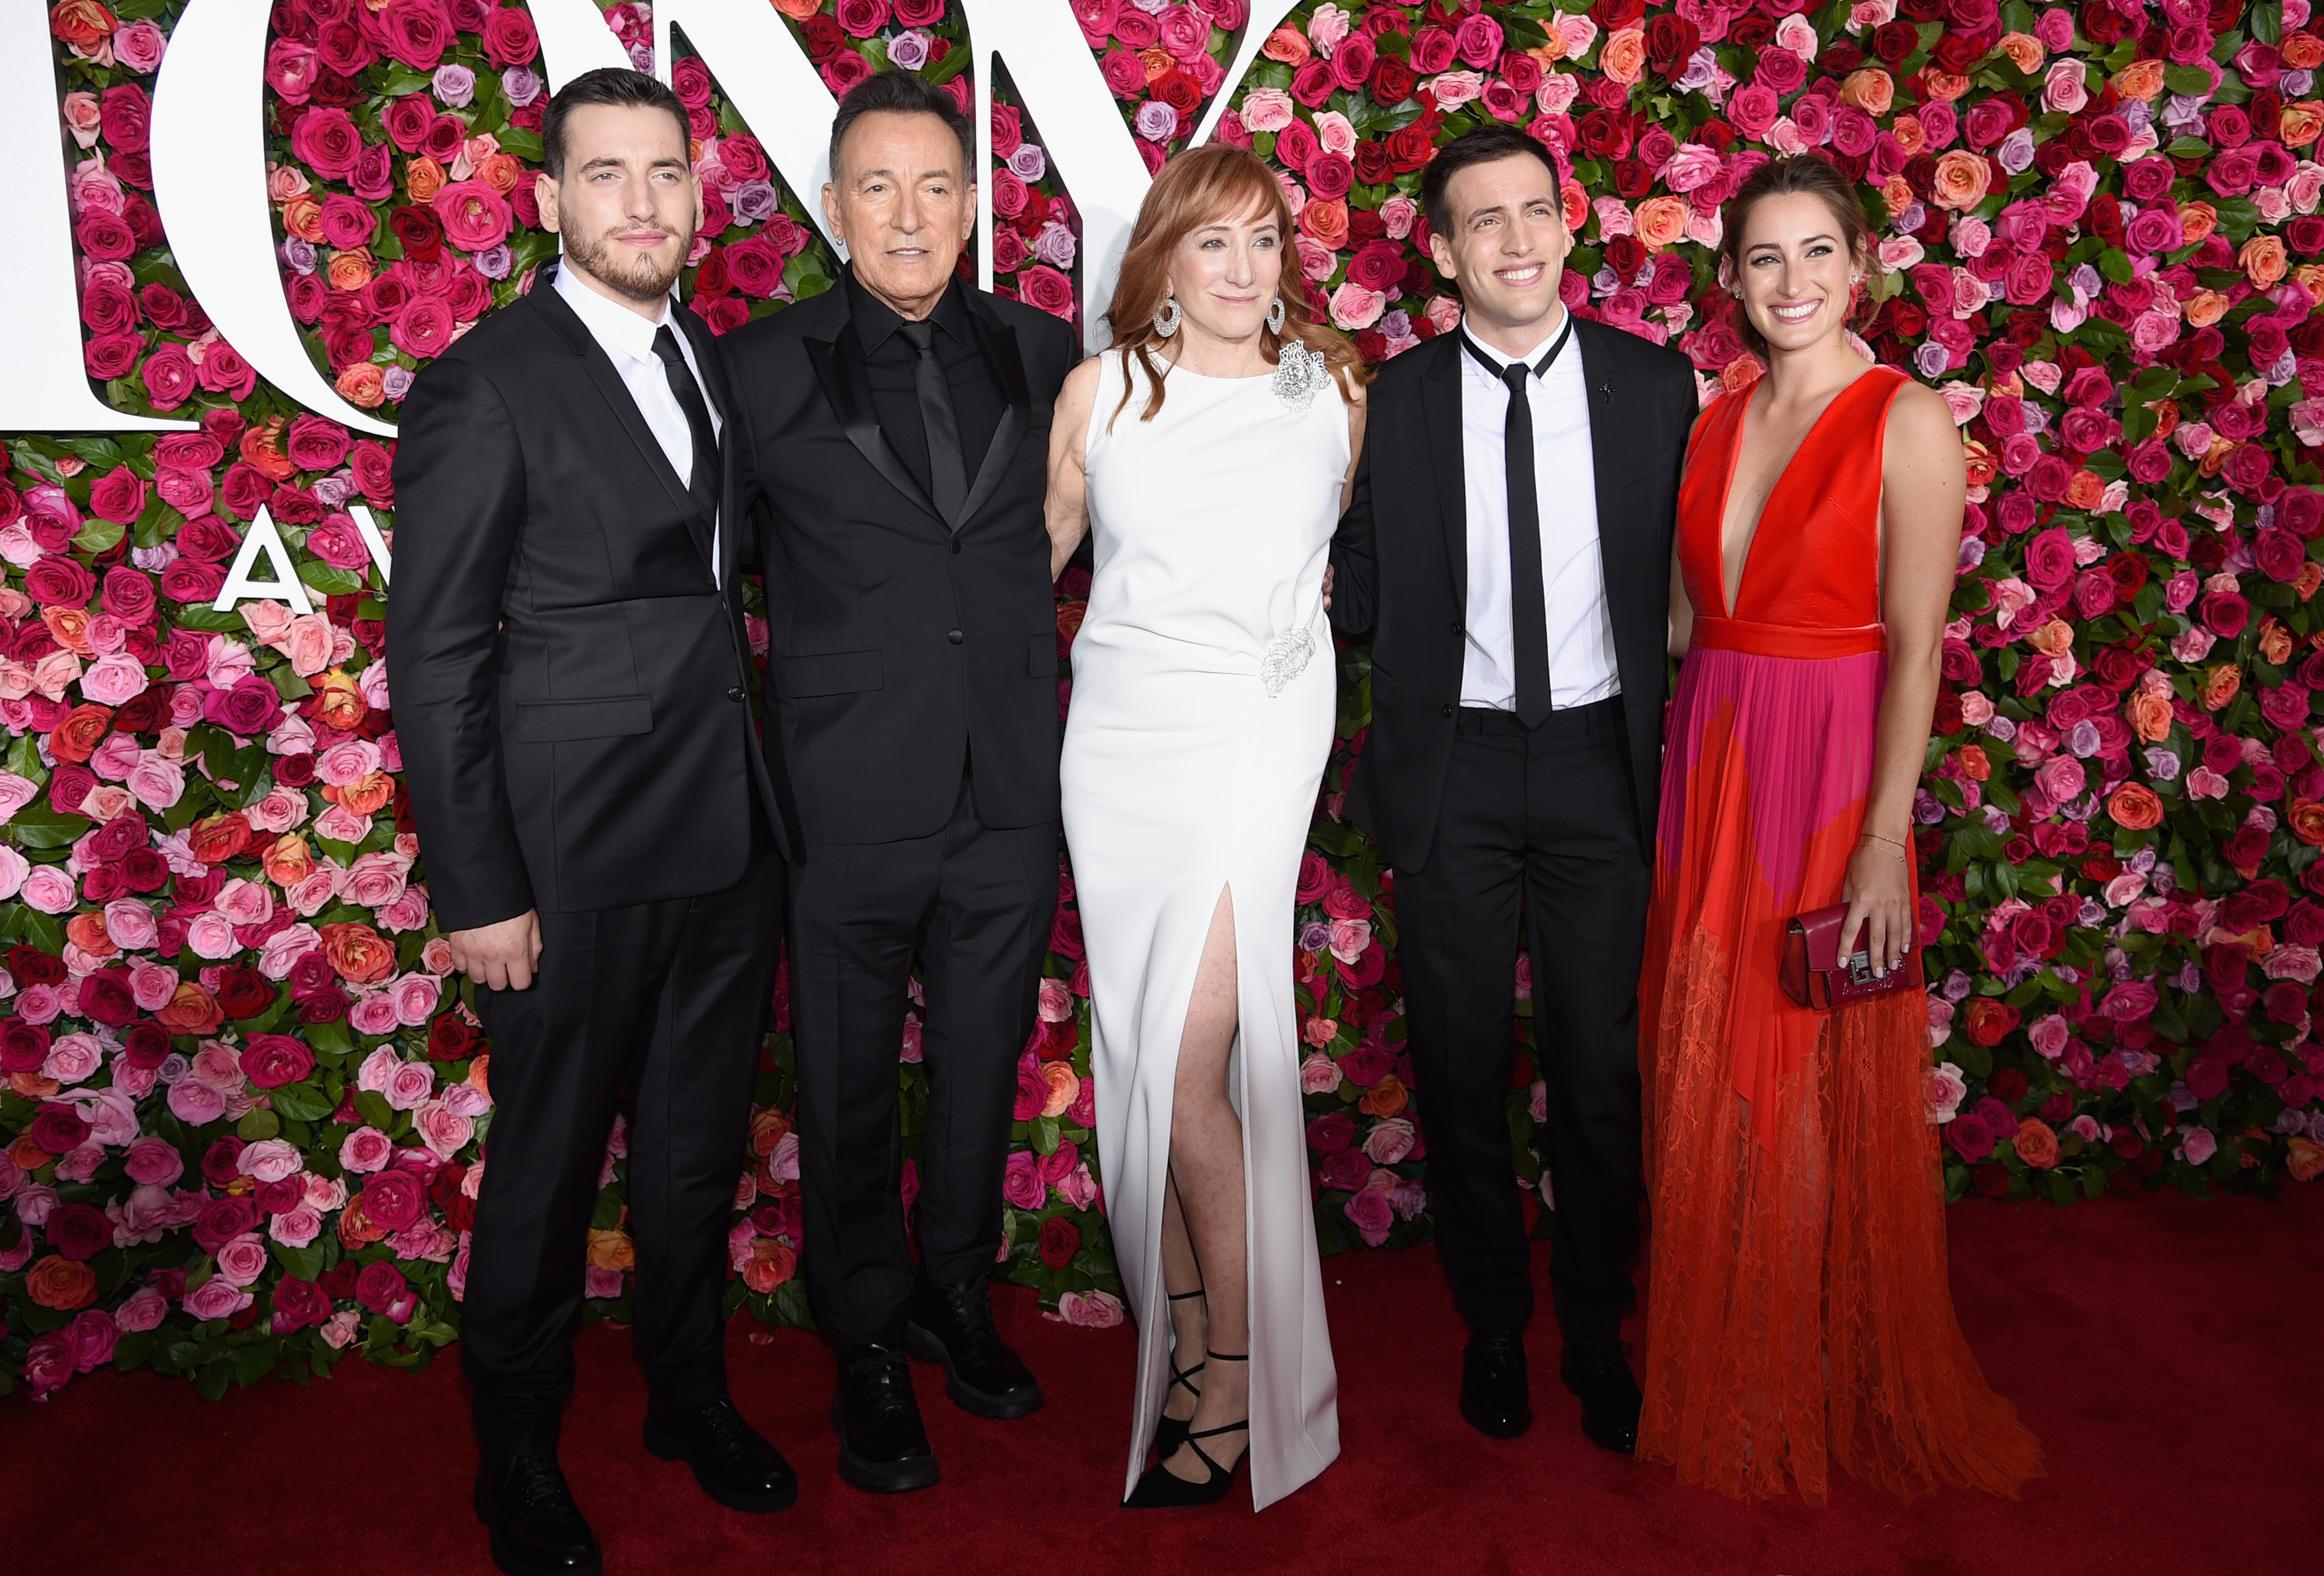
point(617, 87)
point(1481, 146)
point(897, 91)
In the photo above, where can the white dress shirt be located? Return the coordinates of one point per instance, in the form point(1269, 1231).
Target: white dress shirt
point(627, 341)
point(1581, 668)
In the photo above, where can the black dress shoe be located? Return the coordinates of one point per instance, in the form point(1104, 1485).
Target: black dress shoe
point(1599, 1371)
point(953, 1325)
point(730, 1460)
point(883, 1449)
point(537, 1529)
point(1495, 1397)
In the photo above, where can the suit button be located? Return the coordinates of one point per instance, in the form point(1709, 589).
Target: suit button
point(1448, 710)
point(1457, 629)
point(954, 636)
point(735, 693)
point(956, 544)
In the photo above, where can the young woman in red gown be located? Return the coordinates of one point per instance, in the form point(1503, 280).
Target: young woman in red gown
point(1799, 1313)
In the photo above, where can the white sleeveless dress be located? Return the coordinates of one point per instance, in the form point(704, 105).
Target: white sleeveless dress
point(1183, 775)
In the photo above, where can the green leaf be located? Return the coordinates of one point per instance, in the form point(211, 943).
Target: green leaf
point(329, 580)
point(300, 1102)
point(2116, 266)
point(2188, 81)
point(98, 535)
point(524, 144)
point(375, 1108)
point(2185, 147)
point(36, 825)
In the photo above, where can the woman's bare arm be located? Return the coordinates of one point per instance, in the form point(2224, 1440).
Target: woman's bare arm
point(1066, 511)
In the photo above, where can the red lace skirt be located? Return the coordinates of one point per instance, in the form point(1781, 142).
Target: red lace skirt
point(1799, 1312)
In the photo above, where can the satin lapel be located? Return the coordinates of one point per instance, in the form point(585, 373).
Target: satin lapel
point(1439, 401)
point(1608, 448)
point(839, 367)
point(999, 344)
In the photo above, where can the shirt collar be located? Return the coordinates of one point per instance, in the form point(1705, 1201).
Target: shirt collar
point(614, 326)
point(875, 320)
point(1503, 360)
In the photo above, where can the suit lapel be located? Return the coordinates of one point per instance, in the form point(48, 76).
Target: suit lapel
point(838, 365)
point(998, 343)
point(1607, 445)
point(1441, 409)
point(712, 365)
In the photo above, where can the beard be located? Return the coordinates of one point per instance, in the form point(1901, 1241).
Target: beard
point(640, 275)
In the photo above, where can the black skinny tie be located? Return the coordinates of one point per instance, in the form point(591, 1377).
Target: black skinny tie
point(947, 471)
point(704, 483)
point(1528, 601)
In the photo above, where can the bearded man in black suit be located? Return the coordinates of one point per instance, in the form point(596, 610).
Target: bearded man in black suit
point(895, 431)
point(603, 834)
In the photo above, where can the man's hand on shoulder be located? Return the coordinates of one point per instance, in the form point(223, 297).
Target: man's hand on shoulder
point(502, 956)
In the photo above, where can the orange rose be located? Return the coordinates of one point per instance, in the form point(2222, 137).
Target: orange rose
point(337, 703)
point(83, 729)
point(2307, 819)
point(357, 1229)
point(218, 838)
point(2136, 807)
point(1982, 465)
point(1739, 373)
point(60, 1282)
point(1065, 1087)
point(423, 177)
point(70, 625)
point(1897, 193)
point(85, 26)
point(87, 932)
point(2274, 642)
point(1911, 136)
point(798, 10)
point(771, 1263)
point(2084, 490)
point(1624, 56)
point(26, 1151)
point(2166, 418)
point(1975, 764)
point(1870, 89)
point(2303, 51)
point(288, 861)
point(2221, 685)
point(501, 172)
point(2312, 576)
point(767, 1131)
point(349, 270)
point(1944, 85)
point(1552, 50)
point(613, 1250)
point(1961, 180)
point(2263, 261)
point(2141, 80)
point(2197, 219)
point(1385, 1097)
point(2037, 1143)
point(2205, 308)
point(2304, 1158)
point(360, 953)
point(1573, 205)
point(2300, 123)
point(1286, 44)
point(2025, 52)
point(2150, 718)
point(368, 794)
point(2054, 638)
point(261, 446)
point(1324, 220)
point(1662, 221)
point(362, 384)
point(302, 216)
point(191, 1009)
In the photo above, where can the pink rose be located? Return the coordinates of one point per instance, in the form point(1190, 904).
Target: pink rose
point(1372, 1215)
point(129, 925)
point(1021, 1183)
point(374, 880)
point(217, 1298)
point(143, 1310)
point(270, 1160)
point(373, 1015)
point(242, 1260)
point(195, 1103)
point(154, 1162)
point(1090, 1310)
point(296, 1227)
point(365, 1150)
point(445, 1132)
point(1390, 1140)
point(416, 997)
point(245, 902)
point(113, 681)
point(410, 1084)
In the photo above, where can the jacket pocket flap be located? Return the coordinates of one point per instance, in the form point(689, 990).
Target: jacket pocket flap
point(550, 721)
point(1041, 657)
point(1662, 468)
point(830, 673)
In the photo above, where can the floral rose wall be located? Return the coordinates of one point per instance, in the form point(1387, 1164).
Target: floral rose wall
point(246, 1108)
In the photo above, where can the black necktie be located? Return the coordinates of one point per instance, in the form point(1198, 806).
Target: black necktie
point(704, 483)
point(1528, 601)
point(947, 471)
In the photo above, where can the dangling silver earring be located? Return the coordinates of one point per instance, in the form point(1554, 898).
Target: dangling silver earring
point(1166, 321)
point(1275, 316)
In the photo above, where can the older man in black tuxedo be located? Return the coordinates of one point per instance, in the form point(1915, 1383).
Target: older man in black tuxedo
point(895, 427)
point(602, 832)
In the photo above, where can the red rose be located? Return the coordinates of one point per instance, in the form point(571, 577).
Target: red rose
point(23, 1046)
point(299, 1303)
point(393, 1200)
point(1392, 81)
point(381, 1287)
point(509, 37)
point(219, 838)
point(58, 1130)
point(105, 998)
point(1043, 286)
point(1989, 1018)
point(58, 581)
point(416, 32)
point(221, 1221)
point(450, 1038)
point(79, 1231)
point(145, 1045)
point(80, 731)
point(1060, 1240)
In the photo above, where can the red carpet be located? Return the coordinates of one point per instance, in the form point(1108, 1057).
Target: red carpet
point(2166, 1352)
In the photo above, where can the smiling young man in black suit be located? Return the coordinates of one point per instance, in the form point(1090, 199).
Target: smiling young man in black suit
point(895, 427)
point(603, 834)
point(1509, 551)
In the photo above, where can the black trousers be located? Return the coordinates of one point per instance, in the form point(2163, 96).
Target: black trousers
point(973, 903)
point(660, 1009)
point(1540, 826)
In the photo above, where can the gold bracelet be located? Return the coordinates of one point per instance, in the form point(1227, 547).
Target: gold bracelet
point(1874, 837)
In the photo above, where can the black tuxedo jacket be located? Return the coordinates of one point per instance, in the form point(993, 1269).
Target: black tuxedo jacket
point(1401, 565)
point(903, 648)
point(571, 686)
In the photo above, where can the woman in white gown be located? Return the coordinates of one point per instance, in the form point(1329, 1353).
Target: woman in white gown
point(1210, 450)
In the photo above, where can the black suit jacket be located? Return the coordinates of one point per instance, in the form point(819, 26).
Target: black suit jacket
point(903, 646)
point(1401, 567)
point(570, 684)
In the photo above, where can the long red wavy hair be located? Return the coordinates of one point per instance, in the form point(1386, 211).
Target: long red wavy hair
point(1204, 186)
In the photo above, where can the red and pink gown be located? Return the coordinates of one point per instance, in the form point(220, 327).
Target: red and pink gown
point(1799, 1313)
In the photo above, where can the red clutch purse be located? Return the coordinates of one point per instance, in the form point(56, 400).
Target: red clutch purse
point(1815, 975)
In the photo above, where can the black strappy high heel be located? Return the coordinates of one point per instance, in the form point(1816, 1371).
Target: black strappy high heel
point(1162, 1489)
point(1170, 1433)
